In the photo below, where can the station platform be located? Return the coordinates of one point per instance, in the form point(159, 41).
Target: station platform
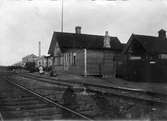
point(153, 87)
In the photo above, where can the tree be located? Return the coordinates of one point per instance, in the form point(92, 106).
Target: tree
point(30, 66)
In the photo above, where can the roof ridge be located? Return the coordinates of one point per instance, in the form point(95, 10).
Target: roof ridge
point(72, 40)
point(144, 35)
point(85, 34)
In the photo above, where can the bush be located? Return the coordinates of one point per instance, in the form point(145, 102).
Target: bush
point(30, 66)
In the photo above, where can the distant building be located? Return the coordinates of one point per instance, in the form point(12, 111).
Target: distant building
point(84, 54)
point(144, 58)
point(18, 64)
point(29, 58)
point(44, 61)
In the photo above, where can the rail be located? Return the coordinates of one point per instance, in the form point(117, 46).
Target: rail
point(50, 101)
point(65, 83)
point(146, 95)
point(1, 117)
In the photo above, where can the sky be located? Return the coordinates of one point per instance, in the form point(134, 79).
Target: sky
point(23, 23)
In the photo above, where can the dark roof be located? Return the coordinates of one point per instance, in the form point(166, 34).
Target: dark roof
point(150, 43)
point(80, 41)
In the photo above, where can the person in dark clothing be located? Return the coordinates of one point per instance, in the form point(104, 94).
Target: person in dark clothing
point(69, 101)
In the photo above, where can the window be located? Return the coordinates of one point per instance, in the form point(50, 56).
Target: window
point(120, 62)
point(134, 57)
point(74, 58)
point(69, 58)
point(152, 62)
point(163, 56)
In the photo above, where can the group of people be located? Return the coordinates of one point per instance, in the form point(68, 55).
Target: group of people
point(41, 71)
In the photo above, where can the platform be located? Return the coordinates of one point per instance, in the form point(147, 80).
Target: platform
point(113, 82)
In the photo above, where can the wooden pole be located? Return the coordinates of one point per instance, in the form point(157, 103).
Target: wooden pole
point(39, 49)
point(64, 61)
point(85, 62)
point(62, 15)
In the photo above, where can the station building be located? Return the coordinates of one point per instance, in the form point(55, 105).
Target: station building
point(84, 54)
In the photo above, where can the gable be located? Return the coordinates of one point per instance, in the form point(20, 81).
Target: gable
point(136, 48)
point(57, 50)
point(151, 44)
point(52, 45)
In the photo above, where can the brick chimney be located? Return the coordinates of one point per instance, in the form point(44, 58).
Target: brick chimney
point(107, 40)
point(78, 30)
point(162, 34)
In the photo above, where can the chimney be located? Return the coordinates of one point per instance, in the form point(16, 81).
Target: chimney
point(107, 40)
point(106, 33)
point(78, 30)
point(162, 34)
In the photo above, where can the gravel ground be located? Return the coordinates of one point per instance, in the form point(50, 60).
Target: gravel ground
point(99, 105)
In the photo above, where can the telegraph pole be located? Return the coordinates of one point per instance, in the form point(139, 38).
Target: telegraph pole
point(62, 15)
point(85, 62)
point(39, 48)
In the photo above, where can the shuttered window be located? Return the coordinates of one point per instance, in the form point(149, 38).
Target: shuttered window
point(163, 56)
point(134, 58)
point(74, 58)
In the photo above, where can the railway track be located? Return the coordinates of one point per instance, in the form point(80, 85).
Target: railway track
point(18, 102)
point(93, 88)
point(101, 102)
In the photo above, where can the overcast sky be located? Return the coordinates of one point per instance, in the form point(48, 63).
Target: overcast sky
point(25, 22)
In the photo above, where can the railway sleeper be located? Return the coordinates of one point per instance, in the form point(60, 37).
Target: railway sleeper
point(17, 97)
point(23, 104)
point(10, 104)
point(33, 110)
point(31, 107)
point(32, 115)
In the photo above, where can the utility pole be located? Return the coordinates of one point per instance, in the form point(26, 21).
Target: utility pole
point(39, 49)
point(62, 15)
point(53, 60)
point(85, 62)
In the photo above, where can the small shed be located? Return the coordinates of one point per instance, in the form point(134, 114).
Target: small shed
point(144, 58)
